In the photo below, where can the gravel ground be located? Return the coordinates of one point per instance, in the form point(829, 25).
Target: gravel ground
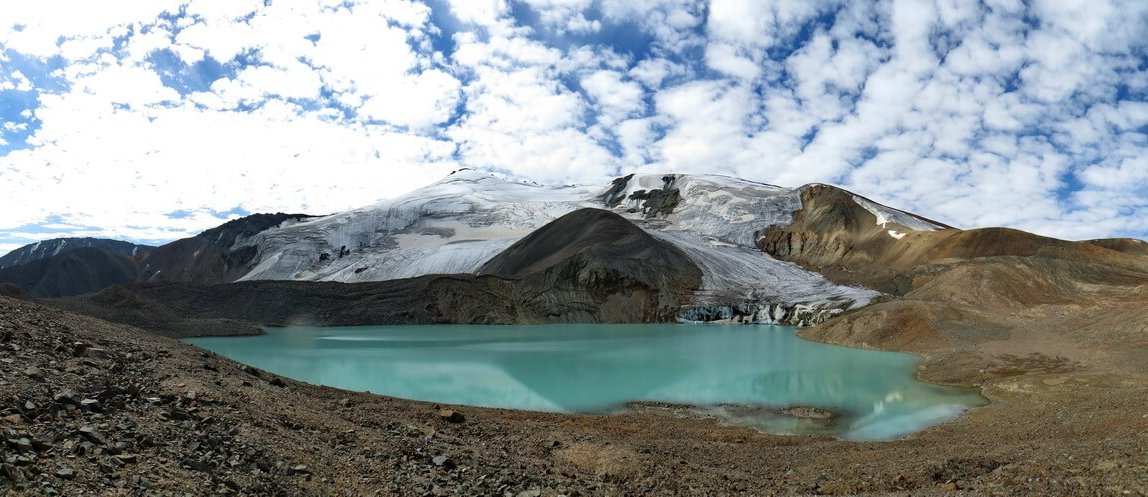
point(93, 408)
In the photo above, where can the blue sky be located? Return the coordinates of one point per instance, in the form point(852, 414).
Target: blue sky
point(152, 120)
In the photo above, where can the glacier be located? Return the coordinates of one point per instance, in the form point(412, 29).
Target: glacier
point(457, 224)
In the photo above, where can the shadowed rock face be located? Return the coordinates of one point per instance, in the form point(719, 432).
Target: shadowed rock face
point(209, 256)
point(74, 272)
point(588, 266)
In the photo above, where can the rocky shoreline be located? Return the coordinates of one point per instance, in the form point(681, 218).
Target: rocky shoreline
point(94, 408)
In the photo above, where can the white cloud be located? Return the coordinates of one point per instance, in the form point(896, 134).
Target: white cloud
point(486, 13)
point(1030, 115)
point(616, 98)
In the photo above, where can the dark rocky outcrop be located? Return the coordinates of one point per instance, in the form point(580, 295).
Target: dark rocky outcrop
point(651, 203)
point(617, 192)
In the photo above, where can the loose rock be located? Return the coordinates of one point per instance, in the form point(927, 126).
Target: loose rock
point(450, 416)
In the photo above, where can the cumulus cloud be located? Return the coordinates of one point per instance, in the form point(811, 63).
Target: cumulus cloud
point(186, 112)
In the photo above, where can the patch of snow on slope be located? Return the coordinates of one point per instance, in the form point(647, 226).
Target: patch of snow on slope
point(886, 215)
point(896, 234)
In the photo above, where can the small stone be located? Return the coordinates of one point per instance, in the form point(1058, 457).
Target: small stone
point(300, 468)
point(276, 382)
point(450, 416)
point(344, 402)
point(443, 461)
point(34, 373)
point(91, 404)
point(530, 493)
point(14, 419)
point(96, 353)
point(191, 395)
point(14, 474)
point(950, 486)
point(41, 444)
point(79, 348)
point(66, 397)
point(20, 444)
point(66, 473)
point(30, 406)
point(127, 458)
point(89, 432)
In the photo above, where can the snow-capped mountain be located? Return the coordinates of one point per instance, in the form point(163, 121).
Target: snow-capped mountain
point(461, 222)
point(57, 246)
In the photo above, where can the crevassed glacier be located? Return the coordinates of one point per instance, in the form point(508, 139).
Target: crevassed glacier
point(457, 224)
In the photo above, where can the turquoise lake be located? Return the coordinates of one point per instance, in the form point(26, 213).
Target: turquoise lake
point(742, 374)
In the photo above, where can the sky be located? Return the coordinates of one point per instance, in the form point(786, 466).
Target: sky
point(152, 120)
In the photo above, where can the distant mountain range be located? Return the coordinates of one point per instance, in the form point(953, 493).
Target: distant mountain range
point(49, 248)
point(475, 247)
point(73, 266)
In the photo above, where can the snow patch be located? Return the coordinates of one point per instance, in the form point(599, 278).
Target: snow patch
point(896, 234)
point(886, 215)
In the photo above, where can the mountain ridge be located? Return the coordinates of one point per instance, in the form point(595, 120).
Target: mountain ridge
point(765, 252)
point(56, 246)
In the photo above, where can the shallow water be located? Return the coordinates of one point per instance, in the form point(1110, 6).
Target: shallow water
point(742, 374)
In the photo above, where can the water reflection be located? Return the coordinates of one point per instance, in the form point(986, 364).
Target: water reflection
point(743, 373)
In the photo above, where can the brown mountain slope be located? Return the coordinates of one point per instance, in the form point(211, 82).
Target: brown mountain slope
point(834, 235)
point(982, 303)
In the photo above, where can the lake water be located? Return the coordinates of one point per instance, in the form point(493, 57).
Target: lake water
point(741, 374)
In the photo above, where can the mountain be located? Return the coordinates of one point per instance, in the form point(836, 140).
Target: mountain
point(457, 225)
point(216, 255)
point(57, 246)
point(74, 266)
point(590, 265)
point(72, 272)
point(760, 253)
point(951, 287)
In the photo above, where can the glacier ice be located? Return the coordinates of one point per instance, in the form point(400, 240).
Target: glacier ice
point(457, 224)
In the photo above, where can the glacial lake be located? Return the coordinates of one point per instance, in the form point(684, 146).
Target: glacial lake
point(740, 374)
